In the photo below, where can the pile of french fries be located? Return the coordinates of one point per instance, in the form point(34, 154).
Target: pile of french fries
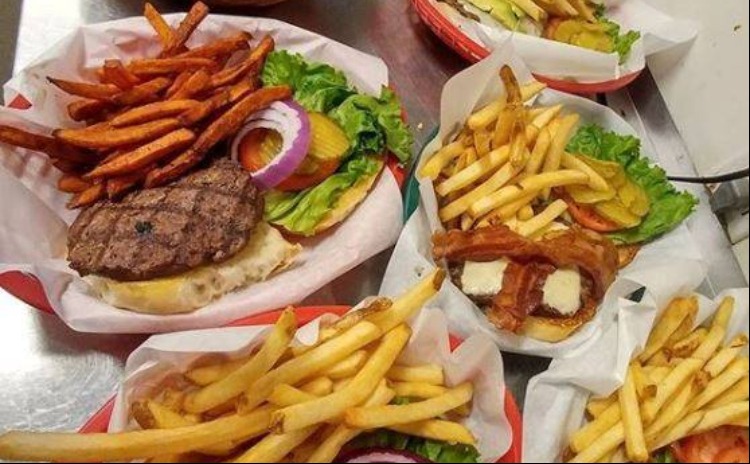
point(685, 382)
point(540, 10)
point(152, 120)
point(504, 163)
point(285, 401)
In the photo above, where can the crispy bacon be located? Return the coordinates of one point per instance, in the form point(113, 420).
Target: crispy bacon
point(521, 295)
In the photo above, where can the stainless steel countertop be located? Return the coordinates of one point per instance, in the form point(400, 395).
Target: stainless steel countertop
point(54, 378)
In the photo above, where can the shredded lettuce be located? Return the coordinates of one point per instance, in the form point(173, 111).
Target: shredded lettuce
point(301, 212)
point(669, 207)
point(434, 451)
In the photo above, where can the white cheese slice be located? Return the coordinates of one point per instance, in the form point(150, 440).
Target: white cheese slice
point(483, 279)
point(562, 291)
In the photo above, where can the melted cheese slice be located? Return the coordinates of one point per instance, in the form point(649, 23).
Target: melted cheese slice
point(562, 291)
point(483, 279)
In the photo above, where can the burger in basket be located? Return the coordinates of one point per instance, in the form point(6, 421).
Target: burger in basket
point(199, 170)
point(540, 212)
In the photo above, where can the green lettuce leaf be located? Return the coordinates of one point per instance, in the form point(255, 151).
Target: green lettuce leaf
point(621, 43)
point(433, 450)
point(300, 212)
point(664, 456)
point(669, 207)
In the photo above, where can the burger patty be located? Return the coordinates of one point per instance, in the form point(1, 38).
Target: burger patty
point(205, 217)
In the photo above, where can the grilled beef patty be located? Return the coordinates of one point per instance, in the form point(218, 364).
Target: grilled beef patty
point(205, 217)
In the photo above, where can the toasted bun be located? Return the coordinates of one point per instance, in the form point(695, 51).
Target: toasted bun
point(555, 330)
point(265, 253)
point(349, 200)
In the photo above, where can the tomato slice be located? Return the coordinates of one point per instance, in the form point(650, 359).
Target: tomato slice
point(588, 217)
point(725, 444)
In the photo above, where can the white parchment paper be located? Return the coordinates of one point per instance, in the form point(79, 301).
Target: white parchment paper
point(556, 399)
point(658, 262)
point(35, 220)
point(476, 360)
point(563, 61)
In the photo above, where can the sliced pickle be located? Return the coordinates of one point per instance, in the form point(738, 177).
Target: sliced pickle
point(642, 204)
point(618, 180)
point(616, 212)
point(627, 193)
point(587, 196)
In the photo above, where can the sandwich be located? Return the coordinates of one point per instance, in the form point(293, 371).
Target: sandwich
point(176, 248)
point(544, 289)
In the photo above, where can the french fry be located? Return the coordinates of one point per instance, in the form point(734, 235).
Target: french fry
point(511, 209)
point(275, 447)
point(711, 344)
point(70, 183)
point(724, 313)
point(41, 143)
point(430, 374)
point(241, 89)
point(595, 429)
point(142, 93)
point(356, 392)
point(129, 446)
point(596, 406)
point(84, 110)
point(742, 422)
point(206, 375)
point(736, 371)
point(541, 220)
point(512, 193)
point(474, 171)
point(286, 395)
point(193, 85)
point(250, 64)
point(114, 72)
point(152, 111)
point(85, 89)
point(338, 436)
point(643, 385)
point(117, 137)
point(596, 181)
point(205, 108)
point(725, 415)
point(348, 367)
point(386, 416)
point(669, 387)
point(485, 116)
point(553, 160)
point(679, 431)
point(318, 387)
point(541, 121)
point(419, 390)
point(584, 10)
point(144, 155)
point(408, 303)
point(724, 357)
point(177, 84)
point(687, 345)
point(149, 67)
point(228, 123)
point(531, 90)
point(440, 159)
point(671, 414)
point(179, 37)
point(738, 392)
point(464, 203)
point(88, 197)
point(526, 213)
point(439, 430)
point(673, 316)
point(310, 363)
point(238, 381)
point(227, 46)
point(607, 443)
point(504, 126)
point(482, 142)
point(635, 441)
point(531, 9)
point(683, 331)
point(163, 31)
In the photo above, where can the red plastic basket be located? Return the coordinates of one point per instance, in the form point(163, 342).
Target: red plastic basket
point(452, 36)
point(99, 422)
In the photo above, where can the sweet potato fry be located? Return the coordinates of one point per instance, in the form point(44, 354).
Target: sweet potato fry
point(228, 123)
point(179, 38)
point(204, 108)
point(119, 186)
point(41, 143)
point(218, 48)
point(112, 138)
point(240, 90)
point(70, 183)
point(253, 61)
point(194, 85)
point(158, 66)
point(84, 110)
point(114, 72)
point(68, 167)
point(85, 89)
point(179, 81)
point(142, 93)
point(88, 197)
point(144, 155)
point(152, 111)
point(158, 23)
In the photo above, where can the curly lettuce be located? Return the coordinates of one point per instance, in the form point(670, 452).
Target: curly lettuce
point(432, 450)
point(669, 207)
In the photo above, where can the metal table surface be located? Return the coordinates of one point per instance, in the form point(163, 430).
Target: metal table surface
point(53, 378)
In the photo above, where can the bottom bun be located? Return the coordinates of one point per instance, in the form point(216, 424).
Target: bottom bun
point(265, 253)
point(349, 200)
point(555, 330)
